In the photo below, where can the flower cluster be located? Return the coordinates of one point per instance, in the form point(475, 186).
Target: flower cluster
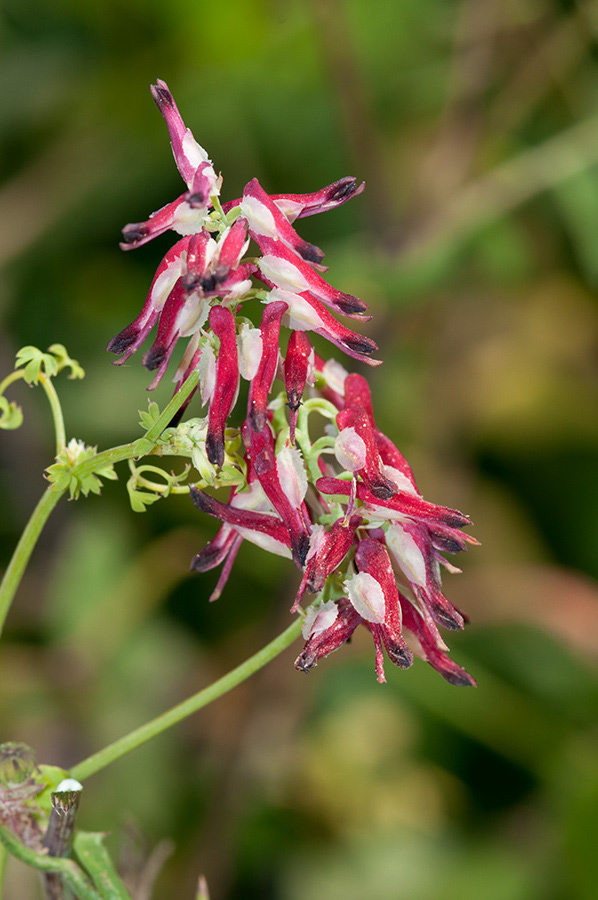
point(344, 505)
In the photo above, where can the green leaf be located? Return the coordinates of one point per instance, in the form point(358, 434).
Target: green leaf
point(149, 418)
point(92, 856)
point(35, 363)
point(64, 361)
point(140, 500)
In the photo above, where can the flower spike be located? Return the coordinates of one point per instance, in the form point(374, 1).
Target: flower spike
point(338, 497)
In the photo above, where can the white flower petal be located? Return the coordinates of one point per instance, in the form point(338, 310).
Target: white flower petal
point(260, 219)
point(350, 450)
point(367, 597)
point(292, 474)
point(250, 346)
point(283, 273)
point(403, 547)
point(319, 618)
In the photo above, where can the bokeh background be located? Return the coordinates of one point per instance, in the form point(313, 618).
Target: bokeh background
point(475, 126)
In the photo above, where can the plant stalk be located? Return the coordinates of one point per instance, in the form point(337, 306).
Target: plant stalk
point(151, 729)
point(24, 549)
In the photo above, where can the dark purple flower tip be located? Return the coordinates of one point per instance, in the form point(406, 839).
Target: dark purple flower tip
point(363, 345)
point(448, 544)
point(208, 558)
point(306, 661)
point(457, 519)
point(202, 501)
point(161, 94)
point(123, 340)
point(382, 488)
point(154, 357)
point(451, 621)
point(399, 655)
point(294, 400)
point(299, 548)
point(344, 189)
point(196, 200)
point(458, 677)
point(310, 253)
point(210, 282)
point(351, 306)
point(134, 232)
point(258, 419)
point(215, 449)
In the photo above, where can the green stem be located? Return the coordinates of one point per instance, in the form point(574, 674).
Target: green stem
point(3, 859)
point(145, 444)
point(51, 496)
point(10, 379)
point(173, 407)
point(24, 548)
point(69, 871)
point(56, 408)
point(156, 726)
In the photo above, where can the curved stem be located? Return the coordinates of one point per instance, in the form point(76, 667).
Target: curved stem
point(10, 379)
point(69, 871)
point(156, 726)
point(51, 496)
point(53, 400)
point(24, 548)
point(56, 408)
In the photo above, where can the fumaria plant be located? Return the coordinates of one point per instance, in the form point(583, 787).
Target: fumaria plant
point(309, 475)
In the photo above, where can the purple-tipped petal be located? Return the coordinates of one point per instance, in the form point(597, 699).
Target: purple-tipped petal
point(261, 384)
point(262, 456)
point(356, 418)
point(299, 206)
point(188, 154)
point(321, 643)
point(282, 268)
point(326, 555)
point(169, 271)
point(371, 558)
point(248, 523)
point(298, 362)
point(266, 221)
point(308, 314)
point(431, 647)
point(222, 322)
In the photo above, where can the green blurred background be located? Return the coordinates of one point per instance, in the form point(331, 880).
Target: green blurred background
point(475, 126)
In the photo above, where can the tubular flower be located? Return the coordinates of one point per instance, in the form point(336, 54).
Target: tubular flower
point(344, 506)
point(227, 382)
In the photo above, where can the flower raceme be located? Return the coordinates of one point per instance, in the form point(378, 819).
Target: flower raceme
point(345, 507)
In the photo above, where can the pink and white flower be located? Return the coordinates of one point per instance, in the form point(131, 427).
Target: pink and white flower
point(345, 506)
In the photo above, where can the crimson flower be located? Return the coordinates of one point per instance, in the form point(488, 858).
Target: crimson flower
point(344, 505)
